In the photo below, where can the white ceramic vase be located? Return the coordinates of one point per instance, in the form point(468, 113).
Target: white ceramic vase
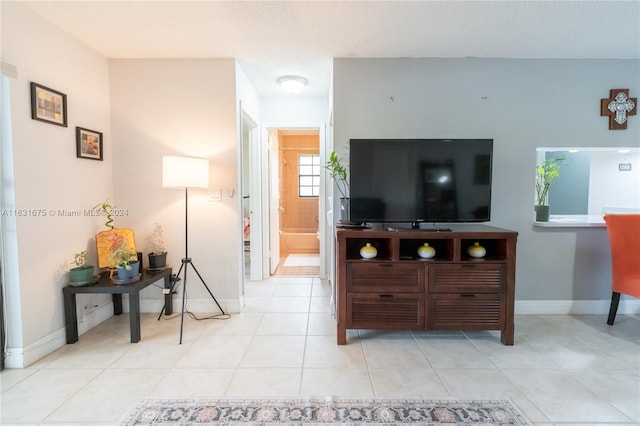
point(425, 251)
point(476, 250)
point(368, 251)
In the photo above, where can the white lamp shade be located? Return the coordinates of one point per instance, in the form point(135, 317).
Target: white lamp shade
point(185, 172)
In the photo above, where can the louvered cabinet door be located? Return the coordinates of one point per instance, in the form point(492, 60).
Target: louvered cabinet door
point(468, 296)
point(390, 311)
point(465, 311)
point(386, 295)
point(386, 277)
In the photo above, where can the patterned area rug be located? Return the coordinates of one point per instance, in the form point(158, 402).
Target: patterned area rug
point(322, 412)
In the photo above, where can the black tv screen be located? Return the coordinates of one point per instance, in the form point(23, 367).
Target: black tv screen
point(420, 180)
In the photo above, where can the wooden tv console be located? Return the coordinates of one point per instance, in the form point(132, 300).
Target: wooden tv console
point(398, 290)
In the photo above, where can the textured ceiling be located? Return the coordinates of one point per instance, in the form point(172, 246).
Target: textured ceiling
point(274, 38)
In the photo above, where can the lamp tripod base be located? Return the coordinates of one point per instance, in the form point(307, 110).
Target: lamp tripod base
point(186, 262)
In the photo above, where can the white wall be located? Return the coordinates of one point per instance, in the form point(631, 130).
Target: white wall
point(294, 110)
point(521, 104)
point(188, 108)
point(610, 187)
point(49, 176)
point(247, 94)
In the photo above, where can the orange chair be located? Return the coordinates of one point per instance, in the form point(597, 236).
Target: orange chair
point(624, 238)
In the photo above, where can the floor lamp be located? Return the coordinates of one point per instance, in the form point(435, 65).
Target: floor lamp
point(186, 172)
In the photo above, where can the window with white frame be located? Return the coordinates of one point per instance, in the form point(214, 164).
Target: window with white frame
point(308, 175)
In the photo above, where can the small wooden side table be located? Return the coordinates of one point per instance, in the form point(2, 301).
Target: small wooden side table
point(106, 286)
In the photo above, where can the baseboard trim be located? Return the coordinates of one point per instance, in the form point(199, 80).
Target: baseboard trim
point(576, 307)
point(23, 357)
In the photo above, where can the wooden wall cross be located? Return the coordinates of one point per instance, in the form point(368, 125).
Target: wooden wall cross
point(618, 107)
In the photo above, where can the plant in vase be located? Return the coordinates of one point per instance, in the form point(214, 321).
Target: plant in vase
point(158, 254)
point(124, 258)
point(106, 209)
point(546, 172)
point(338, 172)
point(82, 272)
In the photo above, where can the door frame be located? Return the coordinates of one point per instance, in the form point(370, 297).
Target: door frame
point(264, 178)
point(272, 202)
point(248, 124)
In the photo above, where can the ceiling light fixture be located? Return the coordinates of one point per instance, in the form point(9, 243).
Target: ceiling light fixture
point(292, 84)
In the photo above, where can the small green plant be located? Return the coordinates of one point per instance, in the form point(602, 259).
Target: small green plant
point(338, 173)
point(122, 255)
point(80, 259)
point(81, 271)
point(546, 172)
point(157, 240)
point(106, 209)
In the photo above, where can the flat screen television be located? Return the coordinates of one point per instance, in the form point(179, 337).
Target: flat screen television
point(420, 180)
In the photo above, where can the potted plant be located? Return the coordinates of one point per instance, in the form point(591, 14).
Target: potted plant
point(338, 173)
point(82, 272)
point(105, 208)
point(546, 172)
point(124, 259)
point(158, 254)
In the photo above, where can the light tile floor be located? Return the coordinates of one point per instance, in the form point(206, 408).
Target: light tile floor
point(564, 369)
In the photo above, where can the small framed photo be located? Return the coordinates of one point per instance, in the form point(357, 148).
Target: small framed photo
point(88, 144)
point(48, 105)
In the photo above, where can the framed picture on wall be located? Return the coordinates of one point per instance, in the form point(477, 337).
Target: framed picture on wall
point(88, 144)
point(48, 105)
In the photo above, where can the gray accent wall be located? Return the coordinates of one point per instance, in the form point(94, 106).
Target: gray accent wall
point(569, 192)
point(521, 104)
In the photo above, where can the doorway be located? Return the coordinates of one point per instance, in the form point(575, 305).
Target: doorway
point(261, 172)
point(299, 173)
